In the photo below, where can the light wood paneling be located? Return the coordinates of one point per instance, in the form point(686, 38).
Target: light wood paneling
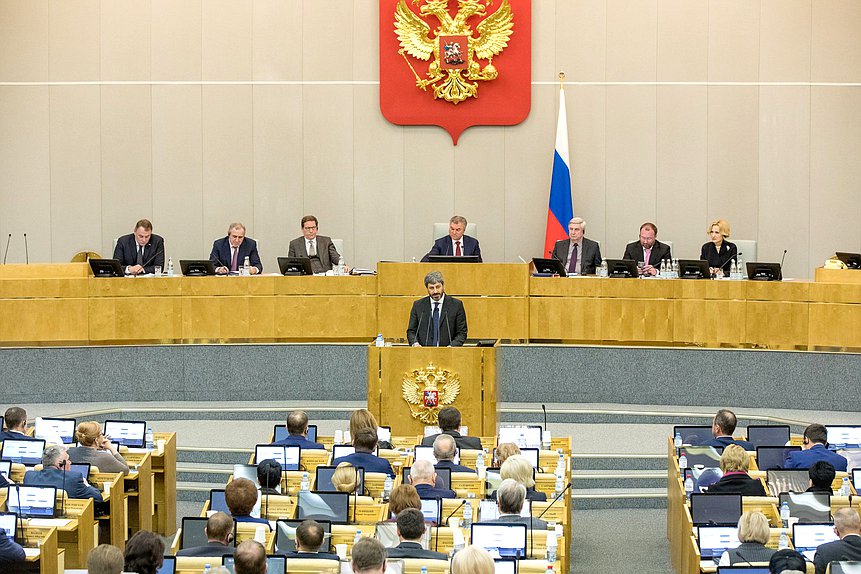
point(23, 41)
point(581, 39)
point(683, 39)
point(835, 41)
point(734, 41)
point(177, 27)
point(785, 36)
point(126, 47)
point(73, 40)
point(277, 40)
point(328, 27)
point(226, 40)
point(631, 40)
point(586, 108)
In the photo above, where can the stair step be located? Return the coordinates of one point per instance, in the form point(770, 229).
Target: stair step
point(213, 455)
point(599, 498)
point(618, 461)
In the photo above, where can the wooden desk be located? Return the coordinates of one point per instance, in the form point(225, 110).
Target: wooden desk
point(113, 528)
point(138, 489)
point(164, 484)
point(45, 539)
point(822, 275)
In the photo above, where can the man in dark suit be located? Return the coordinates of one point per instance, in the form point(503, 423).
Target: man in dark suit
point(847, 525)
point(723, 425)
point(444, 451)
point(10, 552)
point(813, 450)
point(309, 539)
point(229, 253)
point(16, 425)
point(219, 535)
point(423, 478)
point(455, 244)
point(411, 528)
point(365, 443)
point(56, 472)
point(579, 255)
point(318, 248)
point(437, 320)
point(510, 497)
point(141, 251)
point(297, 429)
point(648, 249)
point(449, 423)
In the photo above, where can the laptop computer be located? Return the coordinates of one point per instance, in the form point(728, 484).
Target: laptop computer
point(9, 524)
point(127, 433)
point(703, 478)
point(287, 456)
point(773, 457)
point(505, 566)
point(5, 468)
point(715, 509)
point(275, 564)
point(49, 428)
point(168, 566)
point(432, 509)
point(843, 436)
point(32, 501)
point(705, 456)
point(342, 450)
point(504, 540)
point(768, 435)
point(713, 541)
point(489, 510)
point(806, 538)
point(248, 471)
point(332, 506)
point(285, 534)
point(82, 467)
point(845, 567)
point(787, 480)
point(280, 433)
point(217, 501)
point(528, 436)
point(443, 477)
point(693, 435)
point(194, 532)
point(808, 507)
point(324, 479)
point(26, 452)
point(426, 453)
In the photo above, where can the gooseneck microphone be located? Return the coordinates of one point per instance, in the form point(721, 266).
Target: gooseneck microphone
point(544, 409)
point(552, 254)
point(458, 507)
point(448, 327)
point(781, 259)
point(63, 494)
point(558, 496)
point(418, 326)
point(151, 259)
point(6, 253)
point(27, 250)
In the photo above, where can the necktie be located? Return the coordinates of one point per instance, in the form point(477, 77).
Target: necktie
point(457, 248)
point(572, 266)
point(311, 251)
point(647, 253)
point(435, 342)
point(234, 260)
point(140, 255)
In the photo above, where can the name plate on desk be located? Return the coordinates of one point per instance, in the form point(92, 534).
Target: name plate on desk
point(56, 522)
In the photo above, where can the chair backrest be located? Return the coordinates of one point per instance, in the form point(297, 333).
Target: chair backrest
point(747, 248)
point(668, 244)
point(441, 230)
point(339, 246)
point(414, 566)
point(312, 565)
point(194, 563)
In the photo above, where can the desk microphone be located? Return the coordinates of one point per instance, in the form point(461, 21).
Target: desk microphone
point(27, 250)
point(63, 493)
point(19, 516)
point(418, 326)
point(544, 409)
point(781, 259)
point(7, 248)
point(151, 259)
point(448, 328)
point(558, 496)
point(220, 264)
point(552, 254)
point(458, 507)
point(522, 260)
point(427, 335)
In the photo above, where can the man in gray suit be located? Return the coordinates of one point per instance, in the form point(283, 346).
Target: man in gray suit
point(318, 248)
point(510, 496)
point(579, 255)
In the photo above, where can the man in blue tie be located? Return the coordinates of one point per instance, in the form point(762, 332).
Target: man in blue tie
point(437, 320)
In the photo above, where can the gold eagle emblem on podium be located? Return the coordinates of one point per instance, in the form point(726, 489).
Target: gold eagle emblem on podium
point(428, 389)
point(455, 71)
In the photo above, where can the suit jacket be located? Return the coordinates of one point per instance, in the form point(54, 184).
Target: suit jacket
point(3, 482)
point(10, 551)
point(220, 255)
point(847, 548)
point(414, 550)
point(660, 251)
point(428, 491)
point(535, 523)
point(126, 252)
point(300, 441)
point(453, 467)
point(806, 458)
point(723, 259)
point(210, 549)
point(738, 484)
point(445, 246)
point(14, 435)
point(590, 256)
point(452, 323)
point(725, 441)
point(748, 552)
point(253, 520)
point(312, 555)
point(327, 256)
point(468, 442)
point(73, 481)
point(369, 461)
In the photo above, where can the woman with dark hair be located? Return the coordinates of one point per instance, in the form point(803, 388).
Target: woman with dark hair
point(144, 553)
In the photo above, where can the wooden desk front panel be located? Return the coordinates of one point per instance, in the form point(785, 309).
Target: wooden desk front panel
point(461, 279)
point(237, 318)
point(822, 275)
point(326, 317)
point(52, 321)
point(44, 270)
point(486, 317)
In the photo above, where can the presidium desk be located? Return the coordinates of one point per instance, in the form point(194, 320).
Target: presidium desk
point(62, 305)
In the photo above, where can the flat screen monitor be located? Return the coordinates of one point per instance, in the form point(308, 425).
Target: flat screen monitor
point(443, 477)
point(703, 477)
point(742, 570)
point(489, 510)
point(324, 479)
point(332, 506)
point(759, 271)
point(82, 467)
point(127, 433)
point(50, 428)
point(384, 434)
point(693, 435)
point(771, 457)
point(32, 501)
point(694, 269)
point(768, 435)
point(532, 455)
point(713, 541)
point(285, 535)
point(856, 477)
point(806, 538)
point(715, 509)
point(26, 452)
point(217, 501)
point(621, 268)
point(194, 532)
point(294, 266)
point(851, 260)
point(505, 540)
point(453, 258)
point(505, 566)
point(845, 567)
point(426, 453)
point(5, 468)
point(844, 436)
point(196, 267)
point(9, 524)
point(106, 267)
point(547, 266)
point(168, 566)
point(432, 509)
point(787, 480)
point(492, 480)
point(522, 436)
point(280, 433)
point(810, 507)
point(705, 456)
point(248, 471)
point(275, 564)
point(287, 456)
point(342, 450)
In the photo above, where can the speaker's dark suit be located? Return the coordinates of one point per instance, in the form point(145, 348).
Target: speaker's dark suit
point(327, 255)
point(723, 259)
point(590, 257)
point(126, 252)
point(452, 323)
point(73, 481)
point(847, 548)
point(444, 246)
point(660, 251)
point(220, 255)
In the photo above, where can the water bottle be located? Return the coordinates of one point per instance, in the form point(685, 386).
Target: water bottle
point(733, 271)
point(150, 443)
point(784, 514)
point(550, 568)
point(560, 486)
point(845, 490)
point(387, 487)
point(342, 267)
point(677, 441)
point(379, 341)
point(742, 272)
point(207, 568)
point(683, 461)
point(675, 272)
point(305, 484)
point(689, 487)
point(170, 266)
point(358, 536)
point(424, 570)
point(784, 541)
point(479, 460)
point(551, 549)
point(560, 465)
point(246, 267)
point(604, 270)
point(467, 515)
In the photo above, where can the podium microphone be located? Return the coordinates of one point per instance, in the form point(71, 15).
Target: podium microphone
point(781, 259)
point(6, 253)
point(27, 250)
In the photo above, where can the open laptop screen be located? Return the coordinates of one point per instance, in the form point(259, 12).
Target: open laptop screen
point(703, 478)
point(715, 509)
point(217, 501)
point(275, 564)
point(504, 566)
point(768, 435)
point(285, 535)
point(787, 480)
point(342, 450)
point(808, 537)
point(287, 456)
point(248, 471)
point(507, 540)
point(49, 428)
point(333, 506)
point(810, 507)
point(194, 533)
point(845, 567)
point(844, 436)
point(26, 452)
point(432, 509)
point(443, 477)
point(523, 436)
point(771, 457)
point(384, 434)
point(693, 435)
point(715, 540)
point(426, 453)
point(168, 566)
point(5, 468)
point(127, 433)
point(32, 501)
point(9, 524)
point(280, 433)
point(324, 479)
point(705, 456)
point(82, 467)
point(489, 510)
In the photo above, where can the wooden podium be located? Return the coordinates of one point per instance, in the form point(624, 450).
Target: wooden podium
point(473, 367)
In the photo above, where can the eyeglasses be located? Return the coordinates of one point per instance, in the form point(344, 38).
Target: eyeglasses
point(306, 228)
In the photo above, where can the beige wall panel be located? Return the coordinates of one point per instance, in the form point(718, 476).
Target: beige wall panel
point(277, 133)
point(327, 35)
point(682, 172)
point(586, 107)
point(428, 186)
point(76, 194)
point(784, 177)
point(836, 41)
point(328, 161)
point(25, 187)
point(734, 41)
point(228, 193)
point(581, 39)
point(126, 132)
point(683, 40)
point(277, 40)
point(176, 171)
point(126, 47)
point(544, 32)
point(73, 40)
point(631, 40)
point(23, 40)
point(785, 41)
point(733, 160)
point(366, 34)
point(378, 184)
point(177, 27)
point(226, 40)
point(631, 164)
point(528, 157)
point(835, 146)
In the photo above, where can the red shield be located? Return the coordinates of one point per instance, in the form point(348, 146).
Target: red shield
point(431, 399)
point(504, 100)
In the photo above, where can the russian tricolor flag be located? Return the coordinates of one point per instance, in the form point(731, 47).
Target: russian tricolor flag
point(560, 210)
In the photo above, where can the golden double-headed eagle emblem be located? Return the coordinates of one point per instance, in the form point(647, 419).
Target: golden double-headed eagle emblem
point(428, 389)
point(455, 70)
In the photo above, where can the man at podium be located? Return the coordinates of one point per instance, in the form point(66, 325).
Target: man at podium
point(437, 320)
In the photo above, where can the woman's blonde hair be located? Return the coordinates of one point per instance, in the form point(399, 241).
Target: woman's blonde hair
point(734, 459)
point(753, 527)
point(362, 419)
point(723, 227)
point(88, 433)
point(345, 478)
point(519, 469)
point(472, 560)
point(504, 450)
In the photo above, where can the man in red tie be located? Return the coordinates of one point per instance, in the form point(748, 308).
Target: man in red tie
point(455, 243)
point(648, 250)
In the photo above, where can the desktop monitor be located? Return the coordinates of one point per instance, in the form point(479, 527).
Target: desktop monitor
point(843, 436)
point(196, 267)
point(771, 457)
point(127, 433)
point(217, 501)
point(248, 471)
point(82, 467)
point(324, 479)
point(693, 435)
point(26, 452)
point(713, 541)
point(806, 538)
point(285, 535)
point(443, 477)
point(194, 532)
point(106, 267)
point(333, 506)
point(547, 266)
point(432, 509)
point(621, 268)
point(32, 501)
point(787, 480)
point(504, 540)
point(522, 436)
point(809, 507)
point(851, 260)
point(287, 456)
point(768, 435)
point(294, 266)
point(168, 566)
point(706, 456)
point(49, 428)
point(280, 433)
point(694, 269)
point(702, 477)
point(275, 563)
point(5, 468)
point(759, 271)
point(715, 509)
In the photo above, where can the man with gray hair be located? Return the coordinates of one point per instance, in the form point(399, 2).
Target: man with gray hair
point(579, 255)
point(455, 244)
point(229, 253)
point(444, 451)
point(437, 320)
point(847, 525)
point(423, 478)
point(56, 472)
point(509, 497)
